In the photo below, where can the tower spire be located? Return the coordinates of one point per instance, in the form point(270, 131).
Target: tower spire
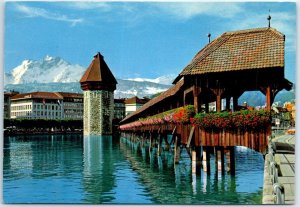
point(269, 19)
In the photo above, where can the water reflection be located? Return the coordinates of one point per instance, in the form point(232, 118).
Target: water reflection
point(98, 173)
point(37, 168)
point(76, 169)
point(177, 185)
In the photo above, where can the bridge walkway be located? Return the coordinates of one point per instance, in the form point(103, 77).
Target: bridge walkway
point(284, 157)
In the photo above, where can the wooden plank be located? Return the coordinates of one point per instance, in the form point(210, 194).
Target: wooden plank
point(286, 180)
point(190, 136)
point(286, 170)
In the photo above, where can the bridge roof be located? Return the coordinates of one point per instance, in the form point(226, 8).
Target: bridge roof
point(168, 93)
point(239, 50)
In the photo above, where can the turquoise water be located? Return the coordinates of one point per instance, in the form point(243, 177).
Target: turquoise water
point(73, 169)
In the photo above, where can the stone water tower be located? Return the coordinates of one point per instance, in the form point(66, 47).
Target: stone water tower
point(98, 84)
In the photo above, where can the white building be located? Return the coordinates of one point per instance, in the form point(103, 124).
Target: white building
point(133, 104)
point(46, 105)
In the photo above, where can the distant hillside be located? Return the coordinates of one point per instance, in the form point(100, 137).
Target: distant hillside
point(256, 98)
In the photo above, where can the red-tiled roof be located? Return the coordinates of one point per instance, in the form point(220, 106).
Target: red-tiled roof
point(240, 50)
point(98, 71)
point(170, 92)
point(39, 95)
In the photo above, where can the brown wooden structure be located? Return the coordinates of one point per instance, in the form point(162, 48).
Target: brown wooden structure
point(235, 62)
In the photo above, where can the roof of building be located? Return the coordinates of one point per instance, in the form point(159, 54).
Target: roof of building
point(39, 95)
point(136, 100)
point(70, 95)
point(98, 71)
point(119, 100)
point(239, 50)
point(10, 94)
point(170, 92)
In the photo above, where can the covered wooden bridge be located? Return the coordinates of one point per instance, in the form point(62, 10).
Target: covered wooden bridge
point(201, 109)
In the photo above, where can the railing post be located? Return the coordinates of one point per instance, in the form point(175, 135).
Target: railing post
point(278, 190)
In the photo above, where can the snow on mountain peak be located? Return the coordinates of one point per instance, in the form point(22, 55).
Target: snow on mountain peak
point(48, 58)
point(166, 79)
point(49, 69)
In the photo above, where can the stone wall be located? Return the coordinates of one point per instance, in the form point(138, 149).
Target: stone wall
point(98, 112)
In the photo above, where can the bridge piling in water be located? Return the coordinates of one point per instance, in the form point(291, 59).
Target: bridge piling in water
point(177, 150)
point(196, 160)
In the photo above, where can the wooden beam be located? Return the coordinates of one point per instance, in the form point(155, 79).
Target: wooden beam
point(268, 98)
point(218, 93)
point(190, 136)
point(218, 103)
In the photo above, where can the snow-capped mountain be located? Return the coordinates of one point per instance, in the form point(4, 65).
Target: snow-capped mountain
point(56, 74)
point(166, 79)
point(49, 69)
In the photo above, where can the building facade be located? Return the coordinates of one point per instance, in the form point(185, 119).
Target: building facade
point(46, 105)
point(36, 105)
point(7, 103)
point(72, 105)
point(119, 109)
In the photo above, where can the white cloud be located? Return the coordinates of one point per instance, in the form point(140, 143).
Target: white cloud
point(189, 10)
point(104, 6)
point(32, 12)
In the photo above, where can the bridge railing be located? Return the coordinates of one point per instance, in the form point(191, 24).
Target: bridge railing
point(278, 188)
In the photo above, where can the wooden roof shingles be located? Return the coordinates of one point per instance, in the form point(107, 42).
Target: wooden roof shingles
point(98, 74)
point(239, 50)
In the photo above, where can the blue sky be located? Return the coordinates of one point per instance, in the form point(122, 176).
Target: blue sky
point(137, 39)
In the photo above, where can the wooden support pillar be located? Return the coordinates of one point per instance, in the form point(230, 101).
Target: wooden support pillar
point(218, 103)
point(218, 92)
point(268, 98)
point(217, 159)
point(150, 144)
point(197, 105)
point(177, 150)
point(196, 160)
point(230, 157)
point(206, 160)
point(167, 145)
point(222, 161)
point(159, 147)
